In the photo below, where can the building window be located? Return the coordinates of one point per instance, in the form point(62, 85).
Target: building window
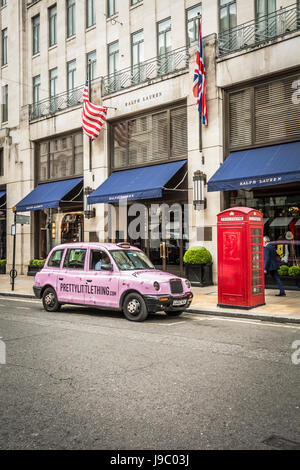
point(227, 15)
point(4, 46)
point(134, 2)
point(3, 2)
point(36, 34)
point(52, 26)
point(266, 26)
point(60, 157)
point(1, 163)
point(164, 46)
point(113, 57)
point(137, 54)
point(71, 18)
point(112, 7)
point(36, 85)
point(192, 23)
point(5, 103)
point(263, 114)
point(90, 13)
point(71, 75)
point(53, 78)
point(92, 61)
point(156, 137)
point(113, 65)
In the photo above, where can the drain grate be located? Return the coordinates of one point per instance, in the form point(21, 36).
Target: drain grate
point(281, 443)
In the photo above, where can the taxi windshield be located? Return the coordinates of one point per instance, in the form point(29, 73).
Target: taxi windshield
point(130, 260)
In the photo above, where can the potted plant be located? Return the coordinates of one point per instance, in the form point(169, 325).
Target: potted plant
point(294, 273)
point(35, 265)
point(290, 277)
point(2, 266)
point(198, 266)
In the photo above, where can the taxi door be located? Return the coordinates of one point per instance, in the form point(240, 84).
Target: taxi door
point(71, 282)
point(102, 284)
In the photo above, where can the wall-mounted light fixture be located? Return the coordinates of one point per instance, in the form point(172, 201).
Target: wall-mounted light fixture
point(89, 213)
point(199, 180)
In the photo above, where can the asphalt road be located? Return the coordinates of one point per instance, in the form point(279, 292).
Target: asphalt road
point(85, 379)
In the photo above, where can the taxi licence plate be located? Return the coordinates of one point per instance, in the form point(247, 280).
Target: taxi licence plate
point(176, 303)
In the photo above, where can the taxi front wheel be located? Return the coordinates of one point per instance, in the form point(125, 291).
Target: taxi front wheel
point(135, 308)
point(50, 301)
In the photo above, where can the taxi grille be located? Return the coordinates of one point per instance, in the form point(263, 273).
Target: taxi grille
point(176, 286)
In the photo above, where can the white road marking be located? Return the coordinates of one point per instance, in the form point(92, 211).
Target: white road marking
point(15, 299)
point(164, 324)
point(23, 308)
point(241, 320)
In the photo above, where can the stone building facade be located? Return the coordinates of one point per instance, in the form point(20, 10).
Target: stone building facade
point(142, 63)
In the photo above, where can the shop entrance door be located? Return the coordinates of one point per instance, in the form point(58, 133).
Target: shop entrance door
point(165, 240)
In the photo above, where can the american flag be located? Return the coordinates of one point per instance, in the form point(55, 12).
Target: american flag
point(199, 81)
point(93, 116)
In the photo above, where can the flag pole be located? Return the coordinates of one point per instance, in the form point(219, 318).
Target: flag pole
point(200, 120)
point(90, 93)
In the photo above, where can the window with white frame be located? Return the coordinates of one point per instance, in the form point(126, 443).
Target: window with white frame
point(71, 74)
point(36, 85)
point(112, 7)
point(35, 34)
point(52, 12)
point(92, 63)
point(192, 22)
point(90, 13)
point(4, 46)
point(71, 18)
point(5, 103)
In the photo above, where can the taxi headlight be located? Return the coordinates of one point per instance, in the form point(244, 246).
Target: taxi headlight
point(156, 286)
point(187, 283)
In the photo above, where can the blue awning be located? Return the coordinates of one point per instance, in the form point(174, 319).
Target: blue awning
point(266, 166)
point(138, 183)
point(2, 194)
point(47, 195)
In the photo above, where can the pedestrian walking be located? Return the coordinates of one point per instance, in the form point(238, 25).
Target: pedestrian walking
point(271, 264)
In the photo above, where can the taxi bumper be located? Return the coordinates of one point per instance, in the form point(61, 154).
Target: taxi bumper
point(168, 302)
point(37, 291)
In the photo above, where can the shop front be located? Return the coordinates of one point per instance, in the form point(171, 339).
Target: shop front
point(147, 208)
point(58, 209)
point(146, 191)
point(57, 199)
point(268, 179)
point(262, 160)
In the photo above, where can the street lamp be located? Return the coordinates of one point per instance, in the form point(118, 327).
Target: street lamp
point(88, 212)
point(199, 180)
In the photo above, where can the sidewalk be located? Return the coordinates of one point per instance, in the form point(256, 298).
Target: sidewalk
point(277, 309)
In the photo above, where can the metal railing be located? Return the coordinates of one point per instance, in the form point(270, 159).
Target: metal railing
point(250, 34)
point(49, 106)
point(159, 66)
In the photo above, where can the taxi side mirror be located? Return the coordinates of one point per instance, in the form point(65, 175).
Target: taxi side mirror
point(107, 267)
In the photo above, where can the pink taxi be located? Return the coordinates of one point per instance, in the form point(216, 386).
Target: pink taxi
point(109, 276)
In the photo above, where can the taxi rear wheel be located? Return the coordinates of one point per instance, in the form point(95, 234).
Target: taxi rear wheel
point(50, 301)
point(135, 308)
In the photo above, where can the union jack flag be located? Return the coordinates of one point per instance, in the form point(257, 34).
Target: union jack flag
point(93, 116)
point(199, 81)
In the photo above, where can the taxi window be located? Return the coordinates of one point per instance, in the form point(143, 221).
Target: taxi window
point(97, 259)
point(75, 258)
point(55, 259)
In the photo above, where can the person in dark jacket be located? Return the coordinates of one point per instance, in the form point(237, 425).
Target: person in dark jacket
point(271, 264)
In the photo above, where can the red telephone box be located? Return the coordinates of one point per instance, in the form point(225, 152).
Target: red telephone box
point(240, 258)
